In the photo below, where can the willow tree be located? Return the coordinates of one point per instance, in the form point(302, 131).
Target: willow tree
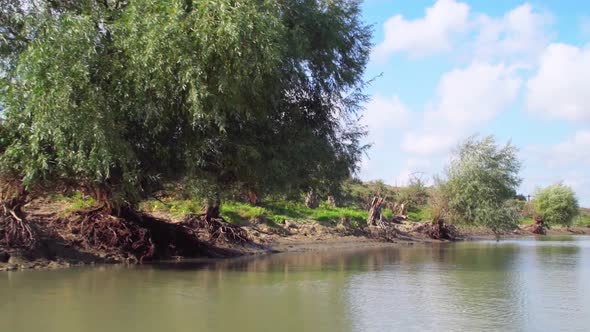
point(554, 205)
point(480, 183)
point(118, 95)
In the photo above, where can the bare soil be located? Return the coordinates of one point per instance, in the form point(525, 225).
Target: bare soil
point(61, 245)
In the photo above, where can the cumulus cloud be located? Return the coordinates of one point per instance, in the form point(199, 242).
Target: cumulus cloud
point(521, 34)
point(466, 99)
point(383, 115)
point(566, 162)
point(573, 152)
point(559, 89)
point(430, 34)
point(414, 166)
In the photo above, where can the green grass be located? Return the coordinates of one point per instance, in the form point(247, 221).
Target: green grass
point(275, 212)
point(174, 207)
point(420, 213)
point(75, 202)
point(583, 219)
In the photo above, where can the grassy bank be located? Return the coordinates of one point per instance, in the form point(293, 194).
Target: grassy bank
point(274, 212)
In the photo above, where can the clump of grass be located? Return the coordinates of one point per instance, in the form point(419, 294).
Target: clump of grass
point(239, 213)
point(420, 213)
point(175, 207)
point(75, 202)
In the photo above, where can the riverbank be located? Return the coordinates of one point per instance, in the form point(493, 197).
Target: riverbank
point(60, 245)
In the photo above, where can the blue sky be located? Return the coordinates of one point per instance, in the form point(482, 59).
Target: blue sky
point(452, 68)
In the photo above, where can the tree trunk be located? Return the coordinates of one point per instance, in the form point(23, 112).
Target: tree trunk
point(15, 231)
point(253, 198)
point(312, 200)
point(375, 212)
point(332, 201)
point(212, 208)
point(539, 225)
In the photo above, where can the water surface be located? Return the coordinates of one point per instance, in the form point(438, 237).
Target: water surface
point(514, 285)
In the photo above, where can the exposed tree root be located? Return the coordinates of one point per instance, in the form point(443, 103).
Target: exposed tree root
point(537, 228)
point(438, 230)
point(385, 232)
point(98, 230)
point(217, 229)
point(15, 231)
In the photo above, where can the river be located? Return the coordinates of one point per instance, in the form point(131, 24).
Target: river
point(513, 285)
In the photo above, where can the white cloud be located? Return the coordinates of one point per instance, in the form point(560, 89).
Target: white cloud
point(573, 152)
point(414, 166)
point(559, 89)
point(521, 34)
point(430, 34)
point(466, 99)
point(566, 162)
point(383, 115)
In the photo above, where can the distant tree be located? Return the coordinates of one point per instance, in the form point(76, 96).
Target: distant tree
point(480, 183)
point(415, 193)
point(555, 205)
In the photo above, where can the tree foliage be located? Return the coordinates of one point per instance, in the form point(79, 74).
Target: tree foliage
point(119, 95)
point(556, 204)
point(481, 180)
point(415, 194)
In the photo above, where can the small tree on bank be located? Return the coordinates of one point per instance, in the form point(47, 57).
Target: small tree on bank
point(555, 205)
point(481, 180)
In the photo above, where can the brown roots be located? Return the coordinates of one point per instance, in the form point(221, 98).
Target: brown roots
point(98, 230)
point(15, 231)
point(216, 229)
point(438, 230)
point(538, 229)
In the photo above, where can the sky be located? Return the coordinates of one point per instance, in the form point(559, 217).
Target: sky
point(448, 69)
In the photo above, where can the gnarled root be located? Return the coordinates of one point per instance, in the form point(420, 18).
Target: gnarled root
point(98, 230)
point(438, 230)
point(15, 231)
point(538, 229)
point(217, 229)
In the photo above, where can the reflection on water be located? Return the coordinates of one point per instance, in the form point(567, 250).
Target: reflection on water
point(512, 285)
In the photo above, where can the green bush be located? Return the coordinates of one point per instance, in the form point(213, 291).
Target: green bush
point(556, 205)
point(480, 184)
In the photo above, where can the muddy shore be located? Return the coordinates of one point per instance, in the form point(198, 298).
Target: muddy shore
point(57, 250)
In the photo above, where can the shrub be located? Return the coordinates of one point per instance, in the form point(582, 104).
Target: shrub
point(480, 184)
point(556, 205)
